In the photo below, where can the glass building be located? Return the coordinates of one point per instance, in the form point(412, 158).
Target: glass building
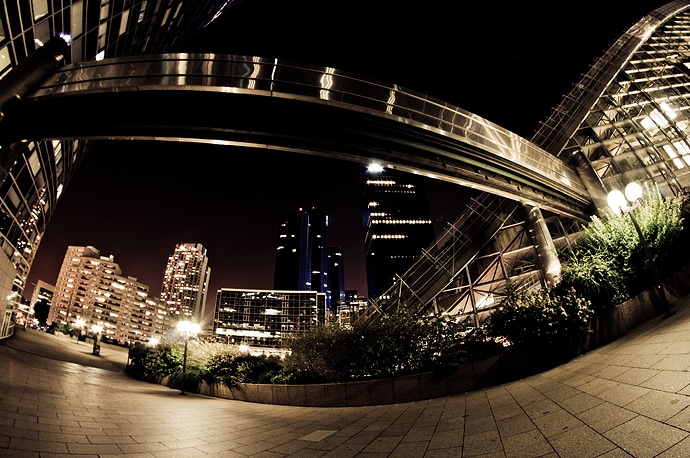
point(264, 319)
point(398, 227)
point(302, 251)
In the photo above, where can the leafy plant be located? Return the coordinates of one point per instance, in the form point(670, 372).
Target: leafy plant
point(396, 344)
point(609, 264)
point(541, 318)
point(231, 368)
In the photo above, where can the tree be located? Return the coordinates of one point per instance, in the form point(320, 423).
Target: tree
point(41, 310)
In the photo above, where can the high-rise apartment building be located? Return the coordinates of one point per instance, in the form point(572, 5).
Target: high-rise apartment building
point(302, 252)
point(185, 284)
point(91, 288)
point(398, 227)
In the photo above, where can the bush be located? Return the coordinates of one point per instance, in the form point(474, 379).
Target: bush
point(231, 368)
point(609, 265)
point(153, 363)
point(397, 344)
point(541, 318)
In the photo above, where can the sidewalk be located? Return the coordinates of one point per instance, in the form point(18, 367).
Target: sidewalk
point(629, 398)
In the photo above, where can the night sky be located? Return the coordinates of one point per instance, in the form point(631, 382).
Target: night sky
point(508, 63)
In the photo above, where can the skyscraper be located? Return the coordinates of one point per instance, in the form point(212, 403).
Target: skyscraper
point(185, 284)
point(398, 226)
point(302, 251)
point(336, 276)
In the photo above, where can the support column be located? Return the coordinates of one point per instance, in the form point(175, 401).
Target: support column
point(543, 244)
point(590, 179)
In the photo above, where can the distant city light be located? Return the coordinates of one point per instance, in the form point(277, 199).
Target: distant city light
point(375, 168)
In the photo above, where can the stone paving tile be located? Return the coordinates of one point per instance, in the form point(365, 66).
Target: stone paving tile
point(480, 444)
point(580, 403)
point(581, 442)
point(669, 380)
point(556, 423)
point(659, 405)
point(622, 394)
point(421, 434)
point(512, 426)
point(605, 416)
point(593, 385)
point(476, 425)
point(681, 449)
point(409, 450)
point(647, 361)
point(635, 376)
point(526, 444)
point(446, 440)
point(680, 347)
point(644, 437)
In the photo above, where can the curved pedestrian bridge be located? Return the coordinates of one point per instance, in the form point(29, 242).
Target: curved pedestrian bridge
point(628, 398)
point(265, 103)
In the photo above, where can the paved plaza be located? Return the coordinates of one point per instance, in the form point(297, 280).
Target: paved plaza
point(629, 398)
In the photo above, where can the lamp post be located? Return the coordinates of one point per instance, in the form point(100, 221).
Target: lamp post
point(186, 328)
point(96, 329)
point(619, 203)
point(79, 324)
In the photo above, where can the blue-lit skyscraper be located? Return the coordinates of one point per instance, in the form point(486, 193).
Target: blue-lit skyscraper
point(302, 252)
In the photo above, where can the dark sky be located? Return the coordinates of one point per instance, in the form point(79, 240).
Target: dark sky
point(510, 63)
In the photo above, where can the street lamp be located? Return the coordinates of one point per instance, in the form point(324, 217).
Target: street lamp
point(79, 323)
point(96, 329)
point(627, 203)
point(187, 328)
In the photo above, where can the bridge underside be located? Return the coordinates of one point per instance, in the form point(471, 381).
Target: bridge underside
point(358, 122)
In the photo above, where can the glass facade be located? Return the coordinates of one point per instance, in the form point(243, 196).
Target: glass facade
point(263, 319)
point(629, 115)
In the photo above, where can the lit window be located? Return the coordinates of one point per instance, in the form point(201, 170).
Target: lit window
point(40, 8)
point(123, 22)
point(4, 58)
point(77, 19)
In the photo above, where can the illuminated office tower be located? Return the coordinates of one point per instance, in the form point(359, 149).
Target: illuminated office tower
point(186, 282)
point(336, 277)
point(91, 290)
point(302, 252)
point(398, 227)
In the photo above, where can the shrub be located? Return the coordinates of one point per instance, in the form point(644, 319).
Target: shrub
point(231, 368)
point(608, 264)
point(541, 318)
point(396, 344)
point(153, 363)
